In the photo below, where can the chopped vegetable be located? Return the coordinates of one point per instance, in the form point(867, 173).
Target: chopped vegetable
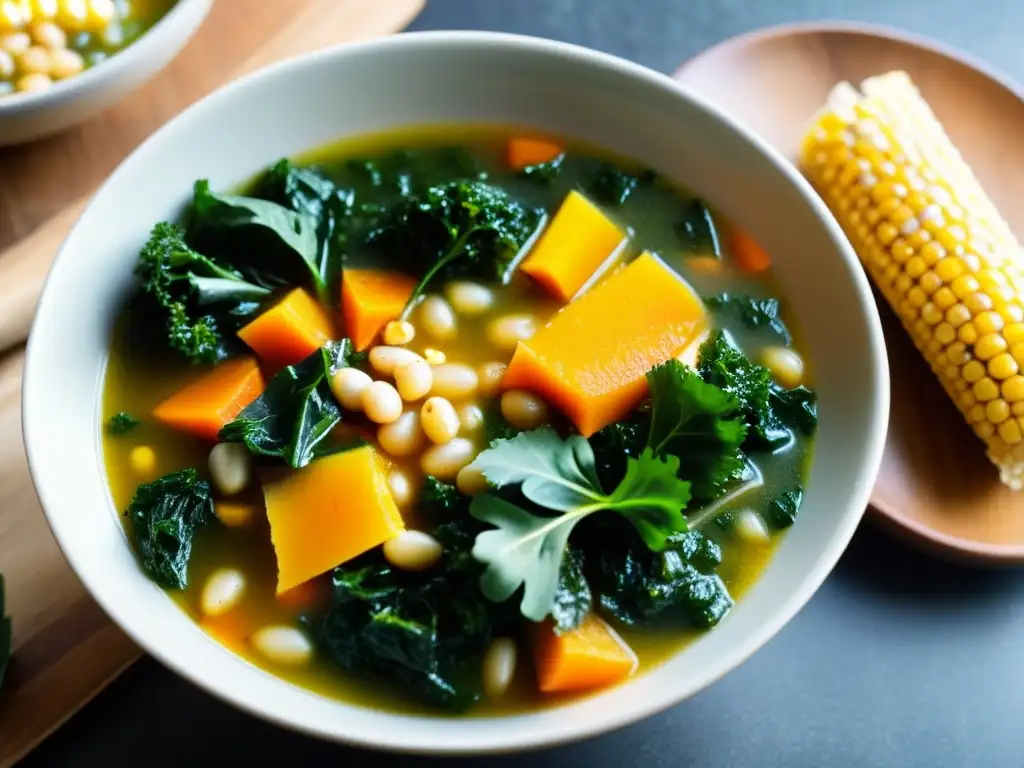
point(591, 359)
point(578, 243)
point(527, 550)
point(289, 332)
point(524, 152)
point(612, 186)
point(697, 232)
point(214, 399)
point(782, 510)
point(297, 411)
point(336, 508)
point(369, 299)
point(121, 423)
point(5, 634)
point(461, 229)
point(753, 313)
point(442, 500)
point(544, 173)
point(587, 658)
point(573, 599)
point(164, 516)
point(749, 255)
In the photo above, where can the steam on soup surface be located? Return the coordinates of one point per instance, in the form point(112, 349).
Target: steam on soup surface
point(455, 419)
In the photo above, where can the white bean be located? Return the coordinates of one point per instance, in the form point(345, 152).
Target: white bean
point(507, 331)
point(382, 403)
point(751, 527)
point(348, 386)
point(471, 480)
point(222, 592)
point(454, 381)
point(282, 645)
point(384, 359)
point(787, 366)
point(523, 409)
point(403, 436)
point(490, 376)
point(414, 379)
point(499, 666)
point(399, 332)
point(469, 299)
point(439, 419)
point(471, 417)
point(230, 467)
point(445, 461)
point(437, 318)
point(402, 489)
point(413, 551)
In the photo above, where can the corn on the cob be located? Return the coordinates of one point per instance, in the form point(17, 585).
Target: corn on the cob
point(934, 245)
point(72, 15)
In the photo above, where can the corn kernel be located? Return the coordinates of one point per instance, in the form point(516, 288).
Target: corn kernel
point(917, 297)
point(916, 267)
point(1002, 366)
point(949, 270)
point(988, 346)
point(978, 303)
point(903, 283)
point(985, 430)
point(1012, 313)
point(1009, 431)
point(944, 298)
point(985, 390)
point(142, 460)
point(957, 353)
point(973, 371)
point(964, 285)
point(976, 413)
point(967, 334)
point(1017, 350)
point(932, 253)
point(930, 314)
point(944, 333)
point(997, 411)
point(1017, 409)
point(929, 282)
point(1013, 389)
point(901, 251)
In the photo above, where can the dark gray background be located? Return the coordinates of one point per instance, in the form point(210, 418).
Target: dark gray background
point(899, 660)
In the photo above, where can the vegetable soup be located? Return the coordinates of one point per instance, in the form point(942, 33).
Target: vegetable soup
point(455, 420)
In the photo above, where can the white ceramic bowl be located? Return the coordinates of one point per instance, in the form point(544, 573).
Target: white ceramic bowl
point(30, 116)
point(446, 78)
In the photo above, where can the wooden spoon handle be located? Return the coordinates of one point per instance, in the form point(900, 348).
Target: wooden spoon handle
point(24, 265)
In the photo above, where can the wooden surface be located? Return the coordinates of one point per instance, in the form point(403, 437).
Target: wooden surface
point(936, 485)
point(65, 648)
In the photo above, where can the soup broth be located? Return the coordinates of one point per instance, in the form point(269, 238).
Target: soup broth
point(378, 172)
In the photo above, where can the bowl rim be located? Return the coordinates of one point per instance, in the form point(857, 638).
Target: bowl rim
point(172, 25)
point(570, 729)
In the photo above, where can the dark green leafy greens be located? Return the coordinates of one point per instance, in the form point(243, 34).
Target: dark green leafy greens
point(121, 423)
point(573, 599)
point(613, 186)
point(421, 633)
point(164, 517)
point(525, 549)
point(678, 584)
point(783, 509)
point(296, 412)
point(459, 229)
point(696, 231)
point(544, 173)
point(441, 500)
point(5, 634)
point(754, 313)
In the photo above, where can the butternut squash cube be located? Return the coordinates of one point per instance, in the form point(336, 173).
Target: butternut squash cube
point(369, 299)
point(288, 332)
point(328, 512)
point(589, 657)
point(575, 246)
point(591, 360)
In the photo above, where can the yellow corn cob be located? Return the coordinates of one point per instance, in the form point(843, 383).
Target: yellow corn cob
point(72, 15)
point(934, 245)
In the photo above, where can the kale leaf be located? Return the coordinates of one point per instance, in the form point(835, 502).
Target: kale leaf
point(771, 412)
point(121, 423)
point(197, 297)
point(613, 186)
point(573, 599)
point(296, 411)
point(783, 509)
point(677, 585)
point(422, 633)
point(544, 173)
point(615, 443)
point(696, 231)
point(164, 515)
point(459, 229)
point(495, 425)
point(442, 500)
point(5, 634)
point(753, 313)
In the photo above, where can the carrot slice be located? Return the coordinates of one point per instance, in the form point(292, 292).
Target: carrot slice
point(214, 399)
point(748, 253)
point(574, 247)
point(525, 151)
point(334, 509)
point(589, 657)
point(592, 359)
point(369, 299)
point(288, 332)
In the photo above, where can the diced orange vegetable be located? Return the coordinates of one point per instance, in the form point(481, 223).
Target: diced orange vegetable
point(302, 596)
point(589, 657)
point(290, 331)
point(748, 253)
point(592, 358)
point(574, 247)
point(236, 514)
point(327, 513)
point(211, 401)
point(525, 151)
point(229, 629)
point(369, 299)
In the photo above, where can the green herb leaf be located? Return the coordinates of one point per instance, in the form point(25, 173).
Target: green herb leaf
point(652, 497)
point(164, 516)
point(783, 509)
point(5, 634)
point(753, 313)
point(121, 423)
point(297, 410)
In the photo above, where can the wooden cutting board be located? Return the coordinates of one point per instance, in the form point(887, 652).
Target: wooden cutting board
point(65, 648)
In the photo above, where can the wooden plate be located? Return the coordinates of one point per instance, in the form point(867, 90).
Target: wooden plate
point(936, 485)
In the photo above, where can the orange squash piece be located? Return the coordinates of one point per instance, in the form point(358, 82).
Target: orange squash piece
point(591, 360)
point(288, 332)
point(327, 513)
point(523, 152)
point(369, 299)
point(748, 253)
point(589, 657)
point(575, 246)
point(214, 399)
